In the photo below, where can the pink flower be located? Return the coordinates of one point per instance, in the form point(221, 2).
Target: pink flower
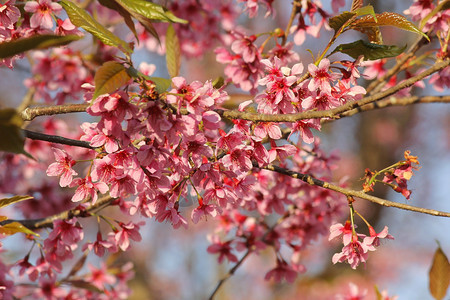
point(62, 167)
point(353, 293)
point(222, 248)
point(99, 246)
point(127, 232)
point(338, 229)
point(87, 188)
point(321, 76)
point(374, 238)
point(9, 14)
point(238, 159)
point(244, 46)
point(354, 253)
point(68, 231)
point(282, 270)
point(203, 210)
point(100, 277)
point(42, 13)
point(268, 128)
point(373, 68)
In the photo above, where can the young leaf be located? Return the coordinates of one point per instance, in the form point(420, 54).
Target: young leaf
point(173, 52)
point(337, 22)
point(79, 17)
point(150, 10)
point(7, 201)
point(366, 10)
point(369, 50)
point(8, 49)
point(11, 136)
point(109, 77)
point(439, 275)
point(356, 4)
point(387, 19)
point(15, 227)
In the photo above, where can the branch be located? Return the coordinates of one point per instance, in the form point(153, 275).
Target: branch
point(235, 114)
point(68, 214)
point(391, 102)
point(378, 84)
point(56, 139)
point(29, 114)
point(359, 194)
point(229, 274)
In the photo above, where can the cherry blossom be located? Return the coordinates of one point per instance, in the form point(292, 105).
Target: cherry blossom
point(42, 13)
point(62, 167)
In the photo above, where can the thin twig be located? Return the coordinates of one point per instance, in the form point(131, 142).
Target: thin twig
point(378, 84)
point(391, 102)
point(359, 194)
point(55, 139)
point(68, 214)
point(29, 113)
point(229, 274)
point(235, 114)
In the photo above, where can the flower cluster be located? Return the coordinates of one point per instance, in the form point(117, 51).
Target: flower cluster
point(356, 245)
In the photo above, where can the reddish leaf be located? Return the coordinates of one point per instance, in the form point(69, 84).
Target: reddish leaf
point(356, 4)
point(439, 275)
point(387, 19)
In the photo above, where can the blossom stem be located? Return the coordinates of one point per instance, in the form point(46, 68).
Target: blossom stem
point(229, 274)
point(348, 192)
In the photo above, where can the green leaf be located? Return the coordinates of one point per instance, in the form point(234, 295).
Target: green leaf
point(173, 52)
point(366, 10)
point(11, 135)
point(369, 50)
point(338, 21)
point(15, 227)
point(439, 275)
point(109, 77)
point(8, 49)
point(111, 4)
point(387, 19)
point(150, 10)
point(218, 82)
point(79, 17)
point(7, 201)
point(162, 84)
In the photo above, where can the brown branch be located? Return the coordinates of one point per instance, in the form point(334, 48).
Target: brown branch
point(391, 102)
point(235, 114)
point(68, 214)
point(229, 274)
point(29, 114)
point(378, 84)
point(55, 139)
point(359, 194)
